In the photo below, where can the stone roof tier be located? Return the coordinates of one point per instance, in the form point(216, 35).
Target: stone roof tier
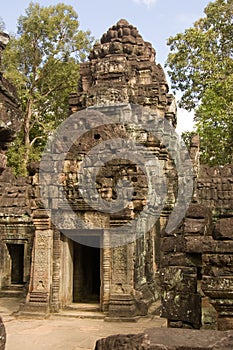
point(122, 69)
point(123, 38)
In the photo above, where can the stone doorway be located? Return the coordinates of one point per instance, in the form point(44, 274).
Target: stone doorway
point(16, 252)
point(86, 273)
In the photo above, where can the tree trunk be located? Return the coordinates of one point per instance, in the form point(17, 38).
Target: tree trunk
point(26, 125)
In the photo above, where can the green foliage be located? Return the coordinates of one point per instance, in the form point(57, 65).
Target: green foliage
point(187, 137)
point(201, 66)
point(15, 155)
point(17, 151)
point(42, 61)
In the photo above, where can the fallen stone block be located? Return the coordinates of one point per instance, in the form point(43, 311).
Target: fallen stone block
point(123, 342)
point(169, 339)
point(2, 335)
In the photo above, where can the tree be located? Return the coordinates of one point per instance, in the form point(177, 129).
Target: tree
point(187, 138)
point(42, 61)
point(201, 66)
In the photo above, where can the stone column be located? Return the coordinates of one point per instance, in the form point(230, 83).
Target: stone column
point(56, 275)
point(122, 301)
point(38, 297)
point(105, 277)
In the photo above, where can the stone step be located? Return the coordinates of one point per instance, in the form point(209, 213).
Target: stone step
point(30, 315)
point(81, 310)
point(79, 314)
point(89, 307)
point(16, 287)
point(8, 293)
point(32, 310)
point(123, 319)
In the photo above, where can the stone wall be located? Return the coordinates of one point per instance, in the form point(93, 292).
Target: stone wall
point(16, 227)
point(215, 189)
point(196, 272)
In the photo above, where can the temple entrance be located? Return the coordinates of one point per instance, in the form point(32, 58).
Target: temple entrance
point(16, 252)
point(86, 273)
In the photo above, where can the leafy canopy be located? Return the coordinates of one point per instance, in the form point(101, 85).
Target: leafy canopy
point(42, 61)
point(200, 65)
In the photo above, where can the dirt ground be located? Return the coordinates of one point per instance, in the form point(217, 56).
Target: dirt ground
point(61, 332)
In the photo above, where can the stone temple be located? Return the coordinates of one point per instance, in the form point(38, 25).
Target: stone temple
point(188, 269)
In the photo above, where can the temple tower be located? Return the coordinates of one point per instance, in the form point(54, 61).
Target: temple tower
point(121, 73)
point(121, 70)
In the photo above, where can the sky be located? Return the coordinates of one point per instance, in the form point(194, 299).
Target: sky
point(156, 21)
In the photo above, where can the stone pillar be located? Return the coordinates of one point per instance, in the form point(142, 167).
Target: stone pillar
point(217, 281)
point(122, 301)
point(105, 275)
point(38, 298)
point(56, 275)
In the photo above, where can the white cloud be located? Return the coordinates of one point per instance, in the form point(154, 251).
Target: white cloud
point(148, 3)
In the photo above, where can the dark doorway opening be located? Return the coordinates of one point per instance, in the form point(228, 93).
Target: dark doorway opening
point(16, 252)
point(86, 278)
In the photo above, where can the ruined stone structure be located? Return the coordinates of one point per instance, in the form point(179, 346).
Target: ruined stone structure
point(189, 268)
point(16, 228)
point(121, 71)
point(196, 269)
